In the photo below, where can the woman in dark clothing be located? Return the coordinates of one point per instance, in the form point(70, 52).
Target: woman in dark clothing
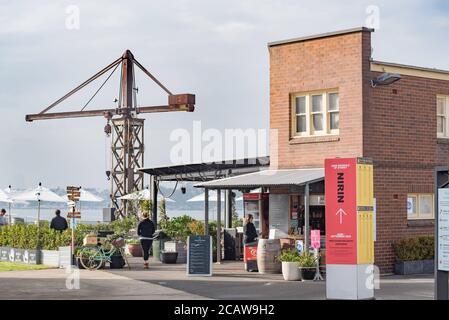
point(145, 231)
point(250, 233)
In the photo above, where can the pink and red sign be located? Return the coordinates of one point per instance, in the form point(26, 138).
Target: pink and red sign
point(341, 211)
point(315, 239)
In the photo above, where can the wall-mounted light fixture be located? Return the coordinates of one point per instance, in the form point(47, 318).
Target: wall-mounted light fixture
point(385, 79)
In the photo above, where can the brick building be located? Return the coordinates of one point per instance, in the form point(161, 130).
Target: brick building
point(323, 105)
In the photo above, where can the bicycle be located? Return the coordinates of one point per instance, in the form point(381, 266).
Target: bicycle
point(94, 257)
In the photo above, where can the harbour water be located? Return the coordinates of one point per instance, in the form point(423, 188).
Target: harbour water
point(96, 215)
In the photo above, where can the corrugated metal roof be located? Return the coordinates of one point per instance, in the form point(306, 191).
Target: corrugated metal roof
point(207, 171)
point(267, 178)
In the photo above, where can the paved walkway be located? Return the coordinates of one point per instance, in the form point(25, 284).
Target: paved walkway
point(51, 284)
point(171, 282)
point(230, 281)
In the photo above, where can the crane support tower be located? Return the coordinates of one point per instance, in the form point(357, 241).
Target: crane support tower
point(127, 130)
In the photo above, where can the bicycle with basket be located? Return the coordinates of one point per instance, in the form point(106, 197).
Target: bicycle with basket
point(94, 254)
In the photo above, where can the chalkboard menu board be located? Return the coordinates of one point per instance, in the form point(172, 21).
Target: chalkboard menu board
point(199, 256)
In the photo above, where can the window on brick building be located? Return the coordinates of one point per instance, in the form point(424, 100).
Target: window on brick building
point(316, 113)
point(442, 117)
point(420, 206)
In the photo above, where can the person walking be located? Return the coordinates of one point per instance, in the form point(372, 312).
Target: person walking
point(58, 223)
point(145, 231)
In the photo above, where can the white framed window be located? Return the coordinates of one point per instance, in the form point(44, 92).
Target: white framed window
point(315, 113)
point(334, 112)
point(420, 206)
point(443, 116)
point(301, 115)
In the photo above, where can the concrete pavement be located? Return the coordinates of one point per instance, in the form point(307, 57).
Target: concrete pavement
point(171, 282)
point(51, 284)
point(231, 282)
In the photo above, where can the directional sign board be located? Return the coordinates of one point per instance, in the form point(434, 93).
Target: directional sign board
point(76, 215)
point(199, 256)
point(73, 193)
point(341, 211)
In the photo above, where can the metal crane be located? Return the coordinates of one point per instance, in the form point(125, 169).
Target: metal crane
point(127, 143)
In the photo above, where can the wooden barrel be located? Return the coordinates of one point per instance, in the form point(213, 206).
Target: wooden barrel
point(268, 251)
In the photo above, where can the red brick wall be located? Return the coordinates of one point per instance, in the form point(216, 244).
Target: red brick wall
point(319, 64)
point(397, 130)
point(400, 136)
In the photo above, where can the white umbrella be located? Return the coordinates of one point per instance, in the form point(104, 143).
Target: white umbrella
point(38, 194)
point(201, 197)
point(86, 196)
point(144, 194)
point(4, 197)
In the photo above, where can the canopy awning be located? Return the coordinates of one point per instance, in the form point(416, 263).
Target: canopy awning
point(207, 171)
point(267, 178)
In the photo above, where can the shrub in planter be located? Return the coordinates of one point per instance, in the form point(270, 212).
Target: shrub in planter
point(290, 265)
point(307, 264)
point(414, 255)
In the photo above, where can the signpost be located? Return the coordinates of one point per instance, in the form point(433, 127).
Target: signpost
point(349, 228)
point(442, 233)
point(199, 256)
point(73, 194)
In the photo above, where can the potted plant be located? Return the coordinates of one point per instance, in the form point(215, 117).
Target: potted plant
point(290, 260)
point(134, 247)
point(178, 230)
point(307, 265)
point(414, 255)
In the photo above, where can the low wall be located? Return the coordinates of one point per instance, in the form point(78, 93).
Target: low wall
point(52, 258)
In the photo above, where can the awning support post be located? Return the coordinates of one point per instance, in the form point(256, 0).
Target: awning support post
point(228, 208)
point(154, 200)
point(206, 211)
point(306, 217)
point(218, 226)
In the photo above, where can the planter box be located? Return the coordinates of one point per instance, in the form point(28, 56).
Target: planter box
point(18, 255)
point(307, 273)
point(4, 253)
point(179, 247)
point(291, 271)
point(30, 256)
point(26, 256)
point(50, 258)
point(168, 257)
point(414, 267)
point(65, 257)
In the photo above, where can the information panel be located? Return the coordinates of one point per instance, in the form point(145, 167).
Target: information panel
point(278, 212)
point(341, 211)
point(443, 229)
point(199, 256)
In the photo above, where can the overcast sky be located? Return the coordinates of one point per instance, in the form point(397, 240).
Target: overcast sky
point(215, 49)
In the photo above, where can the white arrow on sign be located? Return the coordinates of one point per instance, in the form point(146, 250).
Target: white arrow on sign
point(341, 212)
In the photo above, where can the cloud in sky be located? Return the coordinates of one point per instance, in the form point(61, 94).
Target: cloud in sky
point(215, 49)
